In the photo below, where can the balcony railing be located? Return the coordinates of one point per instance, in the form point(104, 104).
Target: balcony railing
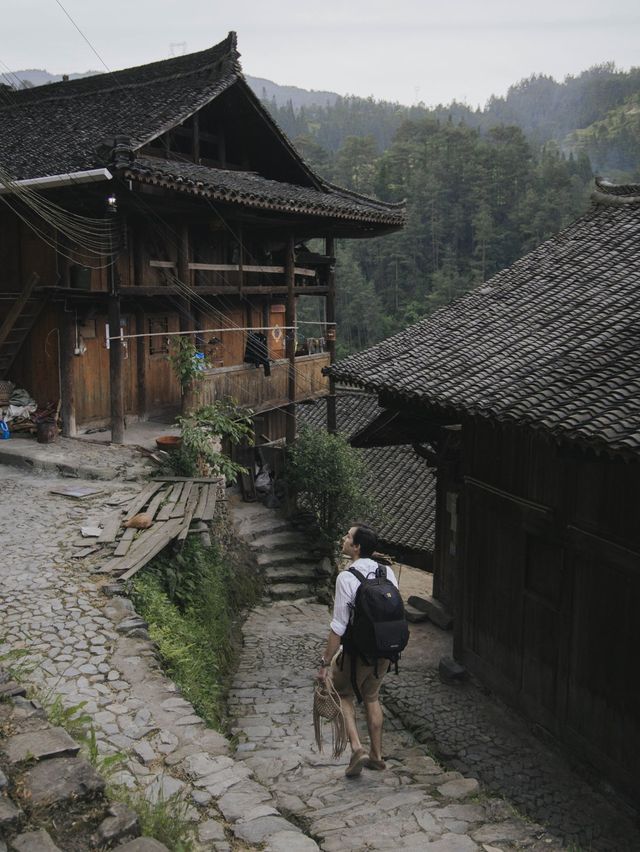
point(235, 277)
point(249, 386)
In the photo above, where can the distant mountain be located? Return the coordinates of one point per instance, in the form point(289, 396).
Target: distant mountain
point(612, 144)
point(37, 77)
point(594, 113)
point(266, 90)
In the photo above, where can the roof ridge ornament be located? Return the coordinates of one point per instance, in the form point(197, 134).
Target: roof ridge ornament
point(615, 195)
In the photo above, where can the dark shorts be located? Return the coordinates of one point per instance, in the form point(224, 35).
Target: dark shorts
point(366, 678)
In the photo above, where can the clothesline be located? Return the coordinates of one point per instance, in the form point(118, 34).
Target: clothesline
point(121, 336)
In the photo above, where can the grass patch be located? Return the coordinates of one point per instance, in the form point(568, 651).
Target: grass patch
point(165, 820)
point(191, 602)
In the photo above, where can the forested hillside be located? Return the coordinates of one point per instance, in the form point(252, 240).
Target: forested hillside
point(482, 187)
point(475, 204)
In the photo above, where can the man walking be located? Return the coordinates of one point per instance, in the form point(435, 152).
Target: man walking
point(359, 544)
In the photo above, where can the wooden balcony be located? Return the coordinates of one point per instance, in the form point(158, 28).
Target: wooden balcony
point(220, 278)
point(248, 386)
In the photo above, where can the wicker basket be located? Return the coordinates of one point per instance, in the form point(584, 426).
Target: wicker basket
point(6, 389)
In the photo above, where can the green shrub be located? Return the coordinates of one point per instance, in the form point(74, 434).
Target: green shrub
point(190, 602)
point(201, 430)
point(327, 476)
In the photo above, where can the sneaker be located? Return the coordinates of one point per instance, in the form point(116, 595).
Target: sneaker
point(358, 760)
point(372, 763)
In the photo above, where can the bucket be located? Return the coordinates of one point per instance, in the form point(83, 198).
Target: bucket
point(46, 431)
point(168, 442)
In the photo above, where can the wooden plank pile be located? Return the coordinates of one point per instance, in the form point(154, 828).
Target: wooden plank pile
point(176, 506)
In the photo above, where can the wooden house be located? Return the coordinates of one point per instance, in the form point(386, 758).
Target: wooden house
point(156, 200)
point(529, 388)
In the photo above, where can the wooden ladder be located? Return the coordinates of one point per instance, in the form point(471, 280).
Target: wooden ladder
point(17, 324)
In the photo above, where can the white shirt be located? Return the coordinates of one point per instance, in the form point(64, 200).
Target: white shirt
point(346, 588)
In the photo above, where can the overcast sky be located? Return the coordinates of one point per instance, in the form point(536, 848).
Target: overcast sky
point(402, 50)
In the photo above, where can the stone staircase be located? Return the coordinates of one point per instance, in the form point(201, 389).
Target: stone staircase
point(292, 568)
point(51, 798)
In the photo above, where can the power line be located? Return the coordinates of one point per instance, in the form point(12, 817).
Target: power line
point(83, 36)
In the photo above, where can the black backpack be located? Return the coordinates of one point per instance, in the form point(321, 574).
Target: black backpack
point(378, 627)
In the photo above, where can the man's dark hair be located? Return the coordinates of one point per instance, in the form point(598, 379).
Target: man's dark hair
point(366, 537)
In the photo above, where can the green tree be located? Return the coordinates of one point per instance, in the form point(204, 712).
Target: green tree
point(326, 474)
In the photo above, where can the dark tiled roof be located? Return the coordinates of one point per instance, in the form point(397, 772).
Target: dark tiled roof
point(398, 480)
point(252, 190)
point(59, 128)
point(552, 342)
point(103, 120)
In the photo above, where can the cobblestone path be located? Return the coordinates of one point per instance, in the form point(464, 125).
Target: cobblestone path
point(476, 736)
point(414, 804)
point(82, 647)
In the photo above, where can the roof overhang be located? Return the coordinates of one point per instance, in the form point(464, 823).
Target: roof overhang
point(54, 181)
point(394, 428)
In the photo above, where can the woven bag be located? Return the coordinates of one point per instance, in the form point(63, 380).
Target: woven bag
point(6, 389)
point(327, 708)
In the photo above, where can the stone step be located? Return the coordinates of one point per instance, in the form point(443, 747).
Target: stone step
point(51, 742)
point(11, 689)
point(284, 556)
point(275, 541)
point(60, 779)
point(251, 530)
point(433, 609)
point(414, 615)
point(294, 573)
point(288, 591)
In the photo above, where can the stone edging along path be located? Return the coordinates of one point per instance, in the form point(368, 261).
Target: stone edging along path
point(87, 648)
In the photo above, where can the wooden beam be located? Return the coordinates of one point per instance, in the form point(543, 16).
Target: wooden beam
point(195, 150)
point(239, 267)
point(16, 308)
point(184, 274)
point(241, 259)
point(116, 378)
point(142, 345)
point(67, 383)
point(331, 332)
point(214, 290)
point(290, 321)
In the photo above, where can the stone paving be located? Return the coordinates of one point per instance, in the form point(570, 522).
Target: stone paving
point(87, 648)
point(415, 804)
point(460, 724)
point(276, 790)
point(477, 735)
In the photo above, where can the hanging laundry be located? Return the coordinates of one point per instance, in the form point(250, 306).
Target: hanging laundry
point(256, 351)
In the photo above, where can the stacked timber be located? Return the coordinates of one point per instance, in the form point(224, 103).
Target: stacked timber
point(172, 507)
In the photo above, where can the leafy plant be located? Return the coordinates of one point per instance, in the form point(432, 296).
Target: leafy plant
point(72, 717)
point(104, 764)
point(203, 431)
point(327, 476)
point(166, 820)
point(190, 602)
point(186, 363)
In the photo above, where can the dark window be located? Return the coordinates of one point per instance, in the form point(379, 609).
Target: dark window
point(158, 345)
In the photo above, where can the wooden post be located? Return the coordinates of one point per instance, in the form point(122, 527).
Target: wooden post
point(67, 384)
point(116, 380)
point(331, 332)
point(196, 138)
point(184, 274)
point(241, 258)
point(137, 250)
point(142, 345)
point(290, 321)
